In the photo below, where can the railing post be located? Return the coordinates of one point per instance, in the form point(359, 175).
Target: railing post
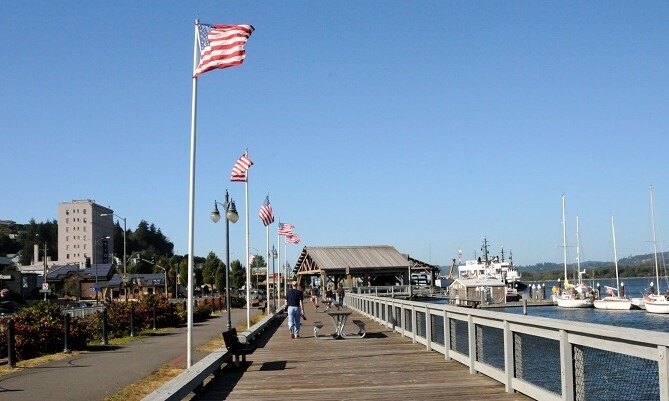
point(428, 328)
point(663, 372)
point(447, 336)
point(566, 367)
point(509, 363)
point(471, 334)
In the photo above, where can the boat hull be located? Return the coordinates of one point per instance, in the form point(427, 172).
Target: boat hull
point(660, 306)
point(574, 303)
point(613, 303)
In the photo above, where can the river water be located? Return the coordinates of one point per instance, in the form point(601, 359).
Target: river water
point(639, 319)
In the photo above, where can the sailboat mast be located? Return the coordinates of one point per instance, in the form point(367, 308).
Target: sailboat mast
point(652, 214)
point(578, 249)
point(564, 239)
point(615, 253)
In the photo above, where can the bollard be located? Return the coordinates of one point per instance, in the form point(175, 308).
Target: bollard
point(104, 327)
point(11, 344)
point(132, 320)
point(66, 333)
point(524, 306)
point(155, 311)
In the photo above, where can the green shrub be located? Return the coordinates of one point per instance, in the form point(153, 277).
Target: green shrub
point(40, 330)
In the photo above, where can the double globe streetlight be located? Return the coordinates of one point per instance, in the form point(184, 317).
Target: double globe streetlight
point(231, 215)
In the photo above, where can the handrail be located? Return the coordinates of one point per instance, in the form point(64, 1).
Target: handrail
point(543, 358)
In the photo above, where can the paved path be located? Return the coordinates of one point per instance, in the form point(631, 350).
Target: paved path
point(95, 375)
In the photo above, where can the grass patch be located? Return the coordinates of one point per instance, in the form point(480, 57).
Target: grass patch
point(138, 390)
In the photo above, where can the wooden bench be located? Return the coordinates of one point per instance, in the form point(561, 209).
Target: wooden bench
point(236, 347)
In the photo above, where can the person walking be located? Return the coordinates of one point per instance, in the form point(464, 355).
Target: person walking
point(329, 297)
point(314, 296)
point(340, 296)
point(295, 302)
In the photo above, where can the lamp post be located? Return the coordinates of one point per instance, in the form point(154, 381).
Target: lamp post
point(230, 216)
point(124, 230)
point(160, 267)
point(274, 256)
point(95, 248)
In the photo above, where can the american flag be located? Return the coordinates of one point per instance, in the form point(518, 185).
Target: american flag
point(221, 46)
point(239, 169)
point(286, 229)
point(292, 239)
point(266, 214)
point(252, 257)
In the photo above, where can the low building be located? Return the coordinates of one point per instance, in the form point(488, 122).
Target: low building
point(472, 291)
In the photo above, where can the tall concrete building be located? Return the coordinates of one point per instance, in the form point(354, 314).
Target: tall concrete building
point(81, 232)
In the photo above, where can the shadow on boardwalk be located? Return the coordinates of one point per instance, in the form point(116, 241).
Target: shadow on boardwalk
point(383, 365)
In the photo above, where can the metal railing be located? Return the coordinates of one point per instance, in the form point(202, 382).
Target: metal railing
point(546, 359)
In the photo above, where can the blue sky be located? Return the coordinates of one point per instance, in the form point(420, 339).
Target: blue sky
point(423, 125)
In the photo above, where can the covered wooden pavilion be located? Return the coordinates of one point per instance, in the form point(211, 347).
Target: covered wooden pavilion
point(372, 265)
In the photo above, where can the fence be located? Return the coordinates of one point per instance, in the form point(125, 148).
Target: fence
point(546, 359)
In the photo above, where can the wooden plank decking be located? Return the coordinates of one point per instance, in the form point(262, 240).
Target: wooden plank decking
point(381, 366)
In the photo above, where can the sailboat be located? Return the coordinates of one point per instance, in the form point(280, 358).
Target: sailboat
point(614, 301)
point(655, 303)
point(572, 296)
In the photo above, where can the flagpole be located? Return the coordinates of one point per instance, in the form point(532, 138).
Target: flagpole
point(248, 268)
point(191, 207)
point(267, 260)
point(278, 259)
point(285, 266)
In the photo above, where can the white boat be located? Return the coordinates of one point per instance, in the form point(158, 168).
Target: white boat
point(613, 301)
point(572, 296)
point(494, 268)
point(655, 302)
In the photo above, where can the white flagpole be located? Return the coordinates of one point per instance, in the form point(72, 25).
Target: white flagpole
point(285, 266)
point(191, 208)
point(278, 259)
point(248, 267)
point(267, 275)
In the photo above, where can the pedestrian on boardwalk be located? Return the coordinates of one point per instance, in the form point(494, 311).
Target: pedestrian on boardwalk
point(295, 302)
point(329, 297)
point(340, 295)
point(314, 295)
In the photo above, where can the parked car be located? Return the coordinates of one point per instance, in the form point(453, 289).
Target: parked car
point(8, 307)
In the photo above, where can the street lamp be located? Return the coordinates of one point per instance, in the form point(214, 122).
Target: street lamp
point(274, 289)
point(124, 230)
point(230, 216)
point(95, 248)
point(160, 267)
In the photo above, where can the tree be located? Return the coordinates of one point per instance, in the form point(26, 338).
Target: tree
point(35, 233)
point(72, 287)
point(211, 265)
point(237, 274)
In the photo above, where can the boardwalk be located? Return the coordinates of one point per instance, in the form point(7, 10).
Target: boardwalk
point(382, 366)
